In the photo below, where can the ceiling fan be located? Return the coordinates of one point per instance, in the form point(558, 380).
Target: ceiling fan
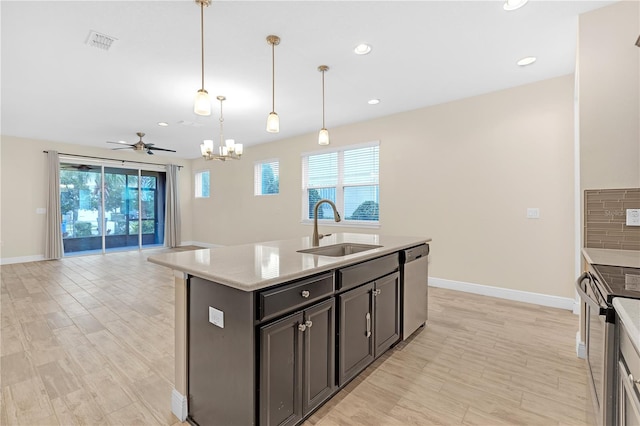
point(140, 146)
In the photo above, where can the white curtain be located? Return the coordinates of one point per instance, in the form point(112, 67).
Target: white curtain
point(172, 217)
point(53, 246)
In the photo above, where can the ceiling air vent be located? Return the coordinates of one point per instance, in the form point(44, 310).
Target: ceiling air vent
point(101, 41)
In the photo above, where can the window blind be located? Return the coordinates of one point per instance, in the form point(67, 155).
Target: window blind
point(349, 177)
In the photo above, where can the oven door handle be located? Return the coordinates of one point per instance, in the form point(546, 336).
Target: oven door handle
point(584, 296)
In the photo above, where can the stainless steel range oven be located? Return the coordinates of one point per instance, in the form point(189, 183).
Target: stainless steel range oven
point(597, 288)
point(600, 348)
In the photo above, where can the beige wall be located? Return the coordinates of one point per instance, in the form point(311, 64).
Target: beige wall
point(23, 180)
point(463, 173)
point(609, 96)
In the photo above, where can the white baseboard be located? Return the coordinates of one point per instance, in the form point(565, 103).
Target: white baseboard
point(22, 259)
point(581, 349)
point(505, 293)
point(179, 405)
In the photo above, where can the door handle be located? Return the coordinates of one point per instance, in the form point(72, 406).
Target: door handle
point(368, 317)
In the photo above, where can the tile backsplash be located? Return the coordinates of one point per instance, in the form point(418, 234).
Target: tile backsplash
point(605, 217)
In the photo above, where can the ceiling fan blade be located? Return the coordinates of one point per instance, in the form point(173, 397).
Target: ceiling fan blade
point(149, 152)
point(120, 143)
point(162, 149)
point(115, 149)
point(149, 144)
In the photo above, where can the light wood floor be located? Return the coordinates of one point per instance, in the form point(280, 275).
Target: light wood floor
point(89, 341)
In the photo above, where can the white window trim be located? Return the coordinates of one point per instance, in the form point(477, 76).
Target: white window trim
point(339, 189)
point(257, 181)
point(195, 184)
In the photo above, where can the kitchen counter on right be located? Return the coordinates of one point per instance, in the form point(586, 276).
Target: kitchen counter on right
point(629, 312)
point(625, 258)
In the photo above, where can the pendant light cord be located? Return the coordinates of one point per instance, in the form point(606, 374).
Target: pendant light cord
point(323, 99)
point(202, 39)
point(273, 77)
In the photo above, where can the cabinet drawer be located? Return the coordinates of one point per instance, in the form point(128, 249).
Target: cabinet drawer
point(364, 272)
point(294, 295)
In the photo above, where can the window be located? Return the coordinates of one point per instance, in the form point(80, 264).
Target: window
point(349, 178)
point(266, 178)
point(202, 184)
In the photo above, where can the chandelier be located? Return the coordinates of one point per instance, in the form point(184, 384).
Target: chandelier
point(228, 149)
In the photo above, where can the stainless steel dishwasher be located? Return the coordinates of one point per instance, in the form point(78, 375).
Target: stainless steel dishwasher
point(414, 276)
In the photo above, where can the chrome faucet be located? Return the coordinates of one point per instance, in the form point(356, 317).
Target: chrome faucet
point(336, 216)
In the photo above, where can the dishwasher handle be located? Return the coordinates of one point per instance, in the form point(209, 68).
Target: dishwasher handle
point(415, 253)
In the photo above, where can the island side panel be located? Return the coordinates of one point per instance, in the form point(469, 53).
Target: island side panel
point(221, 354)
point(179, 395)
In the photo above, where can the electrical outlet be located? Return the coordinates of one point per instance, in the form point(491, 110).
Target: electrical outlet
point(533, 213)
point(633, 217)
point(216, 317)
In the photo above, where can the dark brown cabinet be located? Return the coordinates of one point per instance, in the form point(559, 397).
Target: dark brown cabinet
point(369, 318)
point(273, 356)
point(386, 312)
point(297, 364)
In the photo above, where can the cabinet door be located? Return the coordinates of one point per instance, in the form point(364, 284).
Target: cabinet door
point(281, 372)
point(319, 355)
point(356, 339)
point(387, 312)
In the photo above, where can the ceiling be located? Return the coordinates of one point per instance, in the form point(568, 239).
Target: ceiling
point(56, 87)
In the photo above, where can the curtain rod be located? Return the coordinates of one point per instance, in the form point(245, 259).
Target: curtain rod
point(111, 159)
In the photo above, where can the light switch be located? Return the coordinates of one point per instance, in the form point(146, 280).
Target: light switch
point(41, 210)
point(216, 317)
point(633, 217)
point(533, 213)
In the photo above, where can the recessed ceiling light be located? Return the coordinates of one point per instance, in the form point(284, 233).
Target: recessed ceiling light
point(510, 5)
point(362, 49)
point(526, 61)
point(373, 101)
point(163, 124)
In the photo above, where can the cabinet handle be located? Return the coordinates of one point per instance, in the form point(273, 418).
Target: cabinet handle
point(302, 327)
point(305, 293)
point(368, 317)
point(634, 381)
point(308, 323)
point(377, 292)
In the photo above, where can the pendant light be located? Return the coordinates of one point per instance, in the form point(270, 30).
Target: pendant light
point(323, 136)
point(273, 121)
point(202, 105)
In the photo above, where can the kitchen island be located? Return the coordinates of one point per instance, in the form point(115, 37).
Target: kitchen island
point(237, 308)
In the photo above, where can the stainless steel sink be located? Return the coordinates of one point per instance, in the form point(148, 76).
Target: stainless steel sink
point(337, 250)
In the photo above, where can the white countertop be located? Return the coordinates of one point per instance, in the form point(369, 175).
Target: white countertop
point(626, 258)
point(254, 266)
point(629, 312)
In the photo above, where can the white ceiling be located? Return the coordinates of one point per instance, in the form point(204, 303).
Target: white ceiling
point(55, 87)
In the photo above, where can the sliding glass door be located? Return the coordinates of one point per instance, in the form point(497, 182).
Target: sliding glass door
point(110, 208)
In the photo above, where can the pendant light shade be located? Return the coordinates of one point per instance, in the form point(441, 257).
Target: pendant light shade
point(323, 135)
point(202, 104)
point(273, 121)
